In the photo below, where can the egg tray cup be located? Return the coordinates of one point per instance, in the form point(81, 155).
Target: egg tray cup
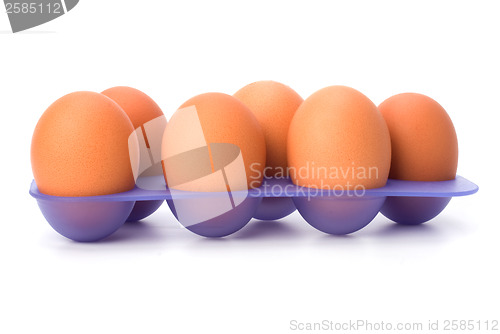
point(93, 218)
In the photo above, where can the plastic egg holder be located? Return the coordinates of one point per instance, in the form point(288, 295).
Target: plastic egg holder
point(405, 202)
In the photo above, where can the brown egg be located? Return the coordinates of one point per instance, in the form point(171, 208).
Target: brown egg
point(338, 140)
point(206, 135)
point(274, 105)
point(149, 123)
point(424, 142)
point(138, 106)
point(80, 147)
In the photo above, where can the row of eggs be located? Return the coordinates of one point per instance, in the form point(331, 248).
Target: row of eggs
point(80, 146)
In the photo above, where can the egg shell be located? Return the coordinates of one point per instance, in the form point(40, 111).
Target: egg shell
point(149, 123)
point(138, 106)
point(424, 141)
point(338, 138)
point(221, 121)
point(274, 105)
point(80, 147)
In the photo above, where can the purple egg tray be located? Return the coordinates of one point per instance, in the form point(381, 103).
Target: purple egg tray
point(335, 212)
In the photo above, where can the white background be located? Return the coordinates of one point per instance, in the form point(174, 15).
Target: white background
point(155, 277)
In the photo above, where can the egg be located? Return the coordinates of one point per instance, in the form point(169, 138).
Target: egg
point(338, 138)
point(424, 142)
point(274, 105)
point(425, 148)
point(149, 122)
point(210, 119)
point(80, 147)
point(213, 143)
point(138, 106)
